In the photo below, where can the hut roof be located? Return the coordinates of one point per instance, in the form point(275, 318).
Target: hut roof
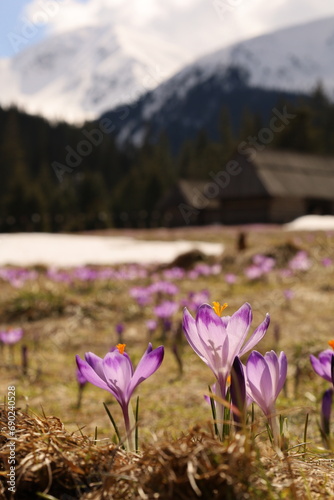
point(295, 175)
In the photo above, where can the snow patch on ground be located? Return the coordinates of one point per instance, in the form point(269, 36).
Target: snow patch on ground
point(63, 250)
point(311, 223)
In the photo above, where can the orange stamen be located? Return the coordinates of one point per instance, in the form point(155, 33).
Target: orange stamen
point(229, 379)
point(218, 308)
point(331, 343)
point(121, 348)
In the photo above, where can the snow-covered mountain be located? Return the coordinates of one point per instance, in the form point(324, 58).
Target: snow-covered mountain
point(293, 59)
point(253, 74)
point(79, 74)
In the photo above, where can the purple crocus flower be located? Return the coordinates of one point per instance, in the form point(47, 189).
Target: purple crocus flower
point(141, 295)
point(163, 287)
point(119, 328)
point(300, 262)
point(174, 273)
point(196, 299)
point(327, 262)
point(218, 340)
point(166, 309)
point(322, 365)
point(265, 263)
point(56, 275)
point(266, 376)
point(11, 336)
point(151, 325)
point(115, 373)
point(230, 278)
point(81, 378)
point(253, 272)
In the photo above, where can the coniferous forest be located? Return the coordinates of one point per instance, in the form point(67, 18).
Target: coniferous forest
point(58, 177)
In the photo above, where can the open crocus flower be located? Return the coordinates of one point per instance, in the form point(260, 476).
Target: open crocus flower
point(115, 373)
point(266, 376)
point(322, 365)
point(217, 339)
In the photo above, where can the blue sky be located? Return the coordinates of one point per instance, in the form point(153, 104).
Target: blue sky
point(11, 22)
point(218, 22)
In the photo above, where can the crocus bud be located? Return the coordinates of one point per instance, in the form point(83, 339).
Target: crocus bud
point(326, 407)
point(238, 390)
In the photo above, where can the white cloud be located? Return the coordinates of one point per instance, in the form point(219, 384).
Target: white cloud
point(196, 26)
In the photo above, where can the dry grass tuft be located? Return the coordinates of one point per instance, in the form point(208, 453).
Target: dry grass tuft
point(52, 463)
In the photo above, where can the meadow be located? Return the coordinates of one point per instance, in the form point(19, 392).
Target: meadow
point(65, 444)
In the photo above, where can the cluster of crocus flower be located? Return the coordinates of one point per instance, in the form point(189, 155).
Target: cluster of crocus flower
point(88, 274)
point(195, 299)
point(17, 276)
point(220, 341)
point(323, 365)
point(300, 262)
point(11, 336)
point(166, 309)
point(115, 373)
point(261, 265)
point(154, 292)
point(200, 269)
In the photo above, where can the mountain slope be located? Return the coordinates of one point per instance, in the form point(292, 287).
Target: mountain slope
point(79, 74)
point(292, 59)
point(252, 74)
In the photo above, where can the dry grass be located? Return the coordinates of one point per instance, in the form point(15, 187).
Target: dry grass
point(53, 463)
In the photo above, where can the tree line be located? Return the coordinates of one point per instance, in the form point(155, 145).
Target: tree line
point(58, 177)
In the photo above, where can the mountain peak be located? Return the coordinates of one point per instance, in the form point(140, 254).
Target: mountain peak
point(80, 74)
point(77, 75)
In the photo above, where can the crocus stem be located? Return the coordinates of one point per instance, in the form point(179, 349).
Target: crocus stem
point(80, 392)
point(220, 408)
point(272, 420)
point(130, 444)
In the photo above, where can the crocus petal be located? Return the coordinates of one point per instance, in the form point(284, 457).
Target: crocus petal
point(283, 369)
point(190, 330)
point(257, 335)
point(316, 365)
point(96, 363)
point(148, 364)
point(259, 381)
point(274, 368)
point(118, 371)
point(90, 375)
point(225, 320)
point(322, 365)
point(212, 335)
point(238, 327)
